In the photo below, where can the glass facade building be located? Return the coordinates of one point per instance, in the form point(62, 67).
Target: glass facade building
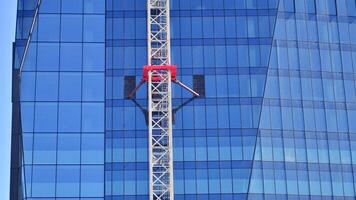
point(276, 119)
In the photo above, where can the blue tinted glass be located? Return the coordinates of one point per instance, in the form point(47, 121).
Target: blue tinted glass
point(71, 56)
point(45, 146)
point(47, 86)
point(94, 28)
point(46, 117)
point(92, 117)
point(31, 58)
point(28, 81)
point(93, 57)
point(48, 57)
point(92, 149)
point(50, 6)
point(275, 122)
point(72, 6)
point(92, 181)
point(94, 6)
point(69, 117)
point(48, 27)
point(93, 86)
point(71, 28)
point(27, 115)
point(68, 148)
point(70, 86)
point(43, 181)
point(68, 181)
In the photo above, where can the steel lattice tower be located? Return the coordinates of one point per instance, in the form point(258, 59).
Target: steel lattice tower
point(159, 75)
point(159, 102)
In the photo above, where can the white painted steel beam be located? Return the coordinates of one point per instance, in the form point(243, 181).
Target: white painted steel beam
point(159, 102)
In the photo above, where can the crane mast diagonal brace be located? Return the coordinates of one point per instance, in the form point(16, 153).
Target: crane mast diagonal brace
point(159, 75)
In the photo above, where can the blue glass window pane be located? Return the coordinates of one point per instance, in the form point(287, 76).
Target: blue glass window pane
point(252, 23)
point(208, 27)
point(213, 148)
point(189, 150)
point(202, 181)
point(243, 57)
point(178, 182)
point(224, 148)
point(45, 146)
point(48, 57)
point(129, 150)
point(219, 27)
point(212, 119)
point(92, 117)
point(197, 55)
point(197, 27)
point(27, 115)
point(325, 183)
point(210, 82)
point(43, 181)
point(241, 23)
point(93, 57)
point(351, 117)
point(244, 85)
point(129, 177)
point(68, 148)
point(129, 28)
point(28, 81)
point(280, 182)
point(92, 149)
point(141, 28)
point(94, 28)
point(70, 86)
point(68, 180)
point(223, 116)
point(190, 181)
point(251, 4)
point(69, 117)
point(310, 7)
point(93, 87)
point(200, 149)
point(257, 84)
point(71, 28)
point(92, 181)
point(240, 180)
point(52, 6)
point(72, 6)
point(27, 148)
point(47, 86)
point(214, 180)
point(351, 5)
point(141, 150)
point(94, 6)
point(48, 27)
point(46, 117)
point(300, 6)
point(71, 57)
point(142, 182)
point(31, 58)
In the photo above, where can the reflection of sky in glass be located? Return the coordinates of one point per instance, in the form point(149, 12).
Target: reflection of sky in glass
point(276, 118)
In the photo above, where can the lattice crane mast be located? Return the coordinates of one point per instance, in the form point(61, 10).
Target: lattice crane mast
point(159, 74)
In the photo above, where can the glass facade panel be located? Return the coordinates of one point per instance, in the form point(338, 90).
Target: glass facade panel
point(275, 120)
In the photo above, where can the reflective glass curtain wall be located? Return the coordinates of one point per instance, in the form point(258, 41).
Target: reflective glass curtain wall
point(62, 99)
point(306, 142)
point(228, 43)
point(276, 121)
